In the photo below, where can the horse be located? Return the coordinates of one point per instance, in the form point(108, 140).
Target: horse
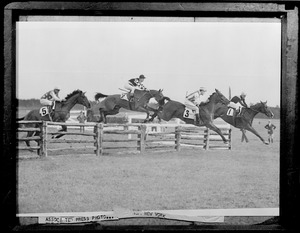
point(112, 103)
point(174, 109)
point(61, 112)
point(244, 122)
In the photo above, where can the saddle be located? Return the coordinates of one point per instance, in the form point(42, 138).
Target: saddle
point(128, 96)
point(47, 110)
point(234, 112)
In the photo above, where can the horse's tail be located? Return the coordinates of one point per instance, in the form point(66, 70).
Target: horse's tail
point(99, 95)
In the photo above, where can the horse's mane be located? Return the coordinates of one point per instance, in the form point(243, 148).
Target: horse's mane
point(73, 93)
point(208, 99)
point(217, 92)
point(256, 105)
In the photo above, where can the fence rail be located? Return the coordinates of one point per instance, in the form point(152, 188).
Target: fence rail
point(172, 136)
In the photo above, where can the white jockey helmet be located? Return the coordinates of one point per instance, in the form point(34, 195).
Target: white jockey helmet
point(202, 89)
point(243, 94)
point(56, 88)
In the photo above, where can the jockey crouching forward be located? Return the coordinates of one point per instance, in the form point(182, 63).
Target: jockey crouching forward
point(238, 103)
point(49, 98)
point(193, 101)
point(135, 83)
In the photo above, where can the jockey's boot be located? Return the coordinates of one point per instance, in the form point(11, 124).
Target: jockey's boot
point(131, 97)
point(240, 112)
point(50, 110)
point(234, 116)
point(197, 121)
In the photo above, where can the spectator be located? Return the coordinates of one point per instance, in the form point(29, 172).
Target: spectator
point(81, 118)
point(270, 127)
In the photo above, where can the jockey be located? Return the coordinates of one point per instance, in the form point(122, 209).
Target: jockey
point(50, 97)
point(238, 103)
point(193, 101)
point(135, 83)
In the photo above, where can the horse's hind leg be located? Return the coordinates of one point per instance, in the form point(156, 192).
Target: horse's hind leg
point(155, 114)
point(29, 134)
point(147, 118)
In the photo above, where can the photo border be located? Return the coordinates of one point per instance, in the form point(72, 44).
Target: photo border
point(287, 11)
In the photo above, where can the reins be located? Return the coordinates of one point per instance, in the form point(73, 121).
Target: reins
point(147, 91)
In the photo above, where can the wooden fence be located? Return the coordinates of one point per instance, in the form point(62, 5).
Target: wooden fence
point(173, 136)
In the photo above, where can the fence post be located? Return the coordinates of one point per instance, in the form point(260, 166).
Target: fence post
point(229, 139)
point(126, 127)
point(43, 140)
point(178, 130)
point(99, 139)
point(206, 139)
point(141, 137)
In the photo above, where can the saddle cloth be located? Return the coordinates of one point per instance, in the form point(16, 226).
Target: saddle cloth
point(44, 111)
point(231, 112)
point(189, 113)
point(124, 96)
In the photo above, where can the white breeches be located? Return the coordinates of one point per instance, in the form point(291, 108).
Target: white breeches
point(46, 102)
point(191, 105)
point(129, 87)
point(236, 106)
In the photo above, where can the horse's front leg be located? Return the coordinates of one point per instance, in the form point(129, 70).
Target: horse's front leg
point(63, 129)
point(217, 130)
point(144, 109)
point(153, 116)
point(147, 117)
point(244, 135)
point(252, 130)
point(102, 116)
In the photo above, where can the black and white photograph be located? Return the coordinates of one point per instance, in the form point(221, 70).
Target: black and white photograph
point(174, 96)
point(170, 120)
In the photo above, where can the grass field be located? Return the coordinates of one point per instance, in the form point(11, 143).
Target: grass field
point(76, 180)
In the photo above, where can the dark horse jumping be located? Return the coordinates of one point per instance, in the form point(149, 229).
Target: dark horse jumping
point(244, 122)
point(61, 112)
point(173, 109)
point(112, 103)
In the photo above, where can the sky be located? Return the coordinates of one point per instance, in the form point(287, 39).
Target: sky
point(178, 57)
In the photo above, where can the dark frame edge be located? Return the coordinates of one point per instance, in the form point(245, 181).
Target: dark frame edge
point(289, 149)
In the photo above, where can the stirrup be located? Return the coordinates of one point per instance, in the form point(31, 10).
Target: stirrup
point(50, 117)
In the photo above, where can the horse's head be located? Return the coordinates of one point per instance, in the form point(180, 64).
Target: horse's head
point(158, 95)
point(263, 108)
point(221, 98)
point(78, 97)
point(82, 99)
